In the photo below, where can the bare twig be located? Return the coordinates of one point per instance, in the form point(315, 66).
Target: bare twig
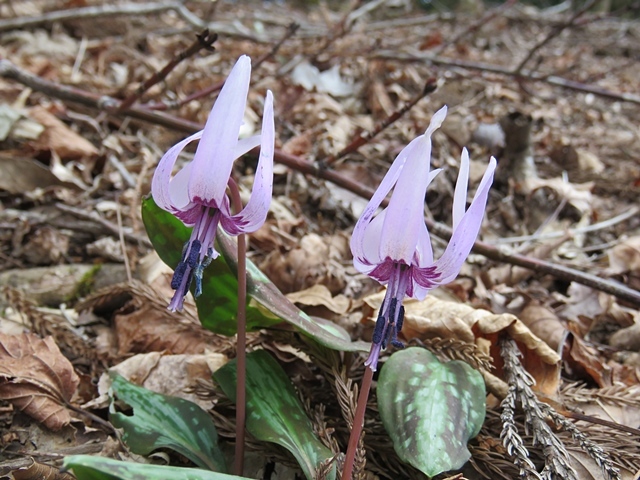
point(553, 34)
point(291, 30)
point(204, 40)
point(8, 70)
point(110, 227)
point(339, 30)
point(481, 22)
point(366, 137)
point(632, 212)
point(525, 74)
point(107, 10)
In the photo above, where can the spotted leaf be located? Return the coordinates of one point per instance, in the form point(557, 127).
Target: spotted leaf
point(161, 421)
point(430, 409)
point(87, 467)
point(274, 412)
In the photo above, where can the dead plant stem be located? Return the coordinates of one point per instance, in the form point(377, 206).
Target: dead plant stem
point(241, 345)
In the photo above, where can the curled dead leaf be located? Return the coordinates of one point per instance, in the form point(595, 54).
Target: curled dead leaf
point(59, 138)
point(36, 378)
point(174, 375)
point(319, 295)
point(434, 317)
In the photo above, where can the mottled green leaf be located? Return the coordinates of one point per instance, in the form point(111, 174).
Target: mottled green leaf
point(430, 409)
point(161, 421)
point(217, 305)
point(87, 467)
point(274, 411)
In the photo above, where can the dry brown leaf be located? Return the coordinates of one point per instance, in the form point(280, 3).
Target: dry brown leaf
point(316, 260)
point(148, 329)
point(434, 317)
point(36, 378)
point(59, 138)
point(40, 471)
point(320, 295)
point(544, 323)
point(625, 257)
point(577, 194)
point(21, 174)
point(174, 375)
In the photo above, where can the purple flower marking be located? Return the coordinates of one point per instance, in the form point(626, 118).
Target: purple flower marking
point(197, 193)
point(394, 246)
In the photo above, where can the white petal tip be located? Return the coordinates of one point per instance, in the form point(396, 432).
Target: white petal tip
point(436, 120)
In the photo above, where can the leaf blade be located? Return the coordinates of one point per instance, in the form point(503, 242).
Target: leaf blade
point(274, 412)
point(430, 409)
point(88, 467)
point(161, 421)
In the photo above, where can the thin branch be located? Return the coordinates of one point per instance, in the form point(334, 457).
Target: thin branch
point(8, 70)
point(112, 228)
point(291, 30)
point(632, 212)
point(481, 22)
point(126, 9)
point(365, 137)
point(525, 74)
point(553, 34)
point(204, 40)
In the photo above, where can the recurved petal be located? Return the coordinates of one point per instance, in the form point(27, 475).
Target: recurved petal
point(214, 157)
point(255, 212)
point(389, 180)
point(460, 193)
point(466, 232)
point(160, 184)
point(371, 245)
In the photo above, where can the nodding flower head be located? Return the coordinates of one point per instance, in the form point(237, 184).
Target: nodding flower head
point(394, 247)
point(197, 193)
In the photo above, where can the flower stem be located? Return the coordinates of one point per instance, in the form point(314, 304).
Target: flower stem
point(358, 424)
point(241, 343)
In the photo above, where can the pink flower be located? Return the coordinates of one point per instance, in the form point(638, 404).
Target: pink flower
point(394, 246)
point(197, 193)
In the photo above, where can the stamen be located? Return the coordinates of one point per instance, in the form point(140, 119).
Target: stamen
point(400, 319)
point(392, 309)
point(194, 253)
point(178, 275)
point(378, 332)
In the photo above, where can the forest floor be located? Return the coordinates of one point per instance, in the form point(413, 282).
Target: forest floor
point(552, 94)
